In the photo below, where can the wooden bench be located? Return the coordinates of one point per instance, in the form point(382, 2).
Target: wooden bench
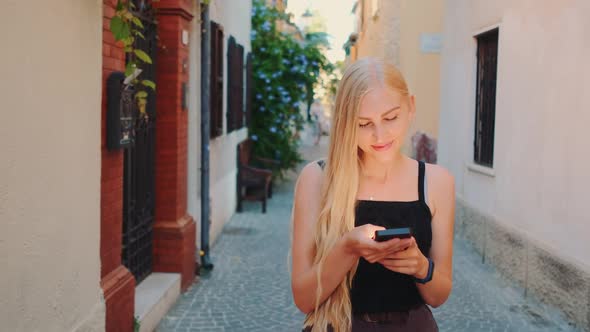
point(254, 180)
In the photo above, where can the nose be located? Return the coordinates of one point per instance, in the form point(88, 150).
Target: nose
point(379, 133)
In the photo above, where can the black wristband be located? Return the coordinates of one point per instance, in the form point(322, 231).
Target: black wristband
point(428, 275)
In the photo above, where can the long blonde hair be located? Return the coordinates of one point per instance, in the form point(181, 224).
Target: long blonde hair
point(341, 181)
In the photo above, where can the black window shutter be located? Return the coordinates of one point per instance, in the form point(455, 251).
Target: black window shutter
point(239, 115)
point(235, 96)
point(216, 98)
point(231, 77)
point(249, 89)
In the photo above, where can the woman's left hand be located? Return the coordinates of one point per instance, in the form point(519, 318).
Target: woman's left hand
point(410, 261)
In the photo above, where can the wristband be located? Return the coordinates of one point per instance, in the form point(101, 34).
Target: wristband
point(428, 275)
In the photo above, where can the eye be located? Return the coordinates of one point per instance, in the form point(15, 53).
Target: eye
point(391, 119)
point(363, 125)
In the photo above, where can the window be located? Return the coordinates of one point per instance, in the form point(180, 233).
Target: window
point(216, 97)
point(235, 93)
point(485, 104)
point(249, 89)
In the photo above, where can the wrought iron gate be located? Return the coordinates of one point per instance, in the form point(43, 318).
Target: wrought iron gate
point(139, 176)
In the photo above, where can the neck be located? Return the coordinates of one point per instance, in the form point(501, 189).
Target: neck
point(381, 171)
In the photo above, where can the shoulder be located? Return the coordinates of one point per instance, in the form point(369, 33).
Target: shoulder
point(310, 177)
point(441, 186)
point(307, 197)
point(439, 176)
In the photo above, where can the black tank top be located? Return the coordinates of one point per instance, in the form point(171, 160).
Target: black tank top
point(375, 288)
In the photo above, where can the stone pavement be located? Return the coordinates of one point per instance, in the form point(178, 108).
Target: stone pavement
point(249, 288)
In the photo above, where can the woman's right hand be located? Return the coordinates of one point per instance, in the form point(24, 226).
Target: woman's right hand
point(361, 243)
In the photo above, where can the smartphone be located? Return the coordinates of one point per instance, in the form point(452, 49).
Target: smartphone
point(392, 233)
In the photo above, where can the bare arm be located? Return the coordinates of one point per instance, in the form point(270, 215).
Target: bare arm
point(304, 273)
point(437, 291)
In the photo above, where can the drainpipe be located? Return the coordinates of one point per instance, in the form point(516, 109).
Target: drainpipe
point(205, 132)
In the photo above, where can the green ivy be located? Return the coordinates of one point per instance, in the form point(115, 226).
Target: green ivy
point(285, 72)
point(126, 26)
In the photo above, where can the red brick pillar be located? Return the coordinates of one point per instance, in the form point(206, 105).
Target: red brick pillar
point(117, 283)
point(174, 228)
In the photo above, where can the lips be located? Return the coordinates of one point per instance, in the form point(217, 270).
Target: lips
point(382, 147)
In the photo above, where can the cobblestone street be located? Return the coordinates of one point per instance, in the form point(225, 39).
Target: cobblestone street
point(249, 288)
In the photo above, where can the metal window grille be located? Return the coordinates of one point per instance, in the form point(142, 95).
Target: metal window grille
point(485, 107)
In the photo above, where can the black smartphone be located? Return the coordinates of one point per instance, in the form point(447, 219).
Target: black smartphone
point(392, 233)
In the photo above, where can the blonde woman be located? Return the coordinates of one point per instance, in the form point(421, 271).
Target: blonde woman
point(341, 277)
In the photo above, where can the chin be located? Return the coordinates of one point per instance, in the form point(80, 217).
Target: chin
point(384, 157)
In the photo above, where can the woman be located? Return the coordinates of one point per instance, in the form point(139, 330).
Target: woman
point(341, 277)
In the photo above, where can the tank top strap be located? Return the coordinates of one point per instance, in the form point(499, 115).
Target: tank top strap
point(421, 172)
point(322, 163)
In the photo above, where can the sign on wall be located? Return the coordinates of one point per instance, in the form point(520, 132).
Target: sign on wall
point(430, 42)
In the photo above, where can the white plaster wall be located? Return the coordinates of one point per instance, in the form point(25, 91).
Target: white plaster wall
point(540, 180)
point(50, 102)
point(234, 17)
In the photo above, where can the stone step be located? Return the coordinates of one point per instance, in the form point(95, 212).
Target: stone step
point(154, 297)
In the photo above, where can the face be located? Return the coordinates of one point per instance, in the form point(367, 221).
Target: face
point(383, 121)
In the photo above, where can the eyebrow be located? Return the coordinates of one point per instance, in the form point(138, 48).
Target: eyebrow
point(382, 115)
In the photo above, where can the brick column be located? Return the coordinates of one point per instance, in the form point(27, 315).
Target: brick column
point(117, 282)
point(174, 228)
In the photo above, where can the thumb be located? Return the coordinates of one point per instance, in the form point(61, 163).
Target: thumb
point(375, 227)
point(371, 229)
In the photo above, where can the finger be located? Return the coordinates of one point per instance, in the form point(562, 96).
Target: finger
point(376, 257)
point(402, 254)
point(370, 230)
point(400, 263)
point(374, 228)
point(387, 245)
point(373, 259)
point(399, 245)
point(404, 270)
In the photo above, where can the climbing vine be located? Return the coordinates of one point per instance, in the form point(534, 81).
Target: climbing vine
point(126, 26)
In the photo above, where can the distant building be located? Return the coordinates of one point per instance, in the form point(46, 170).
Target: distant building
point(408, 34)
